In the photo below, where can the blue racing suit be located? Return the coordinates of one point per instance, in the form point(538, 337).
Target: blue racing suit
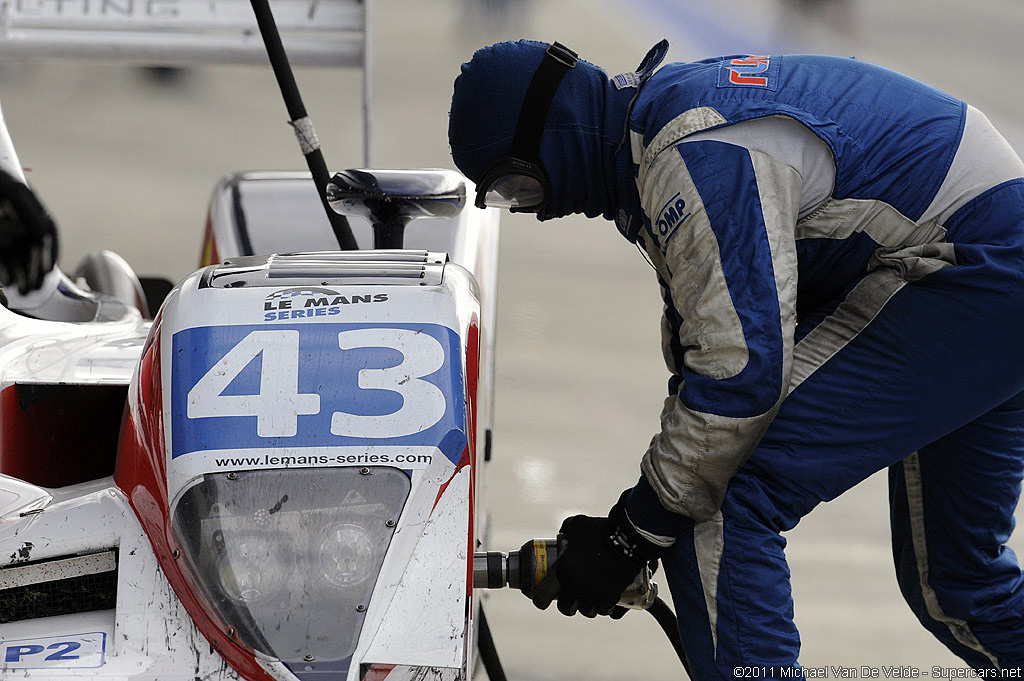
point(840, 250)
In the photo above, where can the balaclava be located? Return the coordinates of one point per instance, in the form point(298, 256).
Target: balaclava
point(584, 149)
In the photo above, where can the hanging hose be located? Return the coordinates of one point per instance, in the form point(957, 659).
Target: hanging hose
point(659, 609)
point(488, 652)
point(667, 620)
point(529, 571)
point(300, 122)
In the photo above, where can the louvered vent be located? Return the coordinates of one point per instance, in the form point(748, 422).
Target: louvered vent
point(341, 268)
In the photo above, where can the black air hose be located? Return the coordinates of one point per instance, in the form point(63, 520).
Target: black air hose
point(659, 609)
point(488, 653)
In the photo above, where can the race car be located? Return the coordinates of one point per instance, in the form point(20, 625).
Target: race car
point(275, 472)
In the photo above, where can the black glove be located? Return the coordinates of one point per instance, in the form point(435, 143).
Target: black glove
point(601, 559)
point(28, 236)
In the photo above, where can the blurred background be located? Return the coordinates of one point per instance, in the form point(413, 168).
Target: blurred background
point(126, 160)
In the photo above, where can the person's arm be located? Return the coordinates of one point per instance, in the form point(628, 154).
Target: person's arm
point(722, 209)
point(732, 257)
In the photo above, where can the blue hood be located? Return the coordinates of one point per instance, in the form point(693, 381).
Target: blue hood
point(584, 148)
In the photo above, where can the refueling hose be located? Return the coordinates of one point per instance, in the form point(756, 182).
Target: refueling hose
point(667, 620)
point(299, 120)
point(488, 653)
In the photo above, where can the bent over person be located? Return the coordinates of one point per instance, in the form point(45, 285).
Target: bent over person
point(840, 250)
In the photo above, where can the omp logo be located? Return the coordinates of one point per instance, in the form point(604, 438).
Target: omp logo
point(298, 303)
point(672, 214)
point(748, 71)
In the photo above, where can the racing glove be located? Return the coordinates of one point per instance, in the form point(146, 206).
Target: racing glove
point(28, 236)
point(601, 559)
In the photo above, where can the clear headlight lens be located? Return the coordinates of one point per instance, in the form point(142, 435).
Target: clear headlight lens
point(253, 568)
point(347, 555)
point(289, 558)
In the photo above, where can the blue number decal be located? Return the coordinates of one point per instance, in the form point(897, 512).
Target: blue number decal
point(62, 654)
point(316, 385)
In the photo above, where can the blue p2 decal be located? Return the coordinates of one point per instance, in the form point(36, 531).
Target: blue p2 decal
point(72, 651)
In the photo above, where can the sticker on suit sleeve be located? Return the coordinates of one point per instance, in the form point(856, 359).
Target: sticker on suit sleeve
point(751, 71)
point(625, 80)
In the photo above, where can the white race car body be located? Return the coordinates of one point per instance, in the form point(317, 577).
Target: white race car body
point(280, 475)
point(351, 389)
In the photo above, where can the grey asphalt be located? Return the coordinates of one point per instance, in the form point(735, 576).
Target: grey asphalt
point(127, 164)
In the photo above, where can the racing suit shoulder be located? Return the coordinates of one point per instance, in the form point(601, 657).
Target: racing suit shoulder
point(892, 137)
point(789, 142)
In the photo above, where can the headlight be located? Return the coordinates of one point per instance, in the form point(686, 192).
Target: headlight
point(347, 555)
point(252, 568)
point(289, 558)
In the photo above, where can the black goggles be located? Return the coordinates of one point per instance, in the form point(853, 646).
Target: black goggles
point(518, 181)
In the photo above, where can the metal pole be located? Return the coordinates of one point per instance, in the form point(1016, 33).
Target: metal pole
point(367, 84)
point(303, 126)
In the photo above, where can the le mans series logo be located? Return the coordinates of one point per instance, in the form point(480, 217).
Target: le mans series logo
point(313, 301)
point(750, 71)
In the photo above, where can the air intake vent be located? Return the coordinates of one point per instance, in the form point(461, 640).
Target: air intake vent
point(337, 268)
point(58, 587)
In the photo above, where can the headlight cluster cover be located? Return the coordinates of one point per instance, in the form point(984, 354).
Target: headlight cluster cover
point(290, 558)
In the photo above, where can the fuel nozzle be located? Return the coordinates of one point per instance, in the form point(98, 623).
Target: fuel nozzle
point(531, 569)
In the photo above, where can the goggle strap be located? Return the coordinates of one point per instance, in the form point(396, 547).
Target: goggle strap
point(558, 59)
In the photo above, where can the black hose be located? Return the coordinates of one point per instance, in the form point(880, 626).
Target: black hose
point(667, 619)
point(488, 653)
point(659, 609)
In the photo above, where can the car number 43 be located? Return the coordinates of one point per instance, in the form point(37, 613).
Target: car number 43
point(278, 402)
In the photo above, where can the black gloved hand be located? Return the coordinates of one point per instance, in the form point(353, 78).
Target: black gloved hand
point(601, 559)
point(28, 236)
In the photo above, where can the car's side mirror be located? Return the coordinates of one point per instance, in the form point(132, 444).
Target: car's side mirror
point(390, 199)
